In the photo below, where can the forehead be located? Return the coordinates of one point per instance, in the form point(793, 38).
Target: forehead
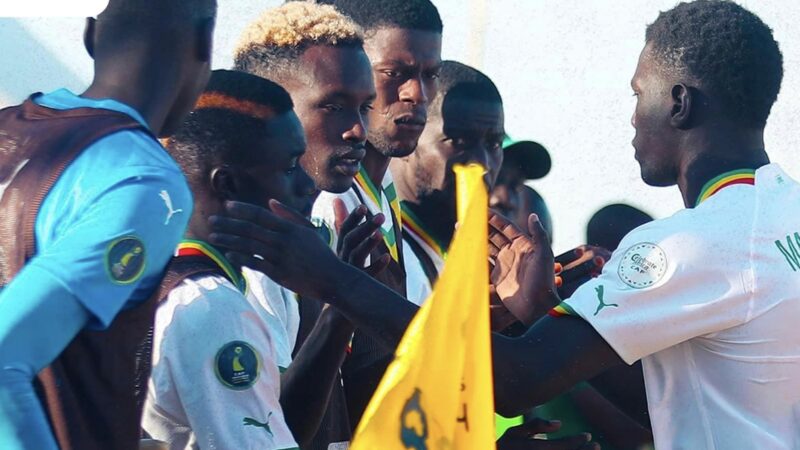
point(284, 137)
point(330, 68)
point(402, 45)
point(645, 67)
point(465, 113)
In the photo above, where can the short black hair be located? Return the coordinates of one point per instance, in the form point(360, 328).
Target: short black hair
point(170, 10)
point(460, 81)
point(407, 14)
point(725, 47)
point(612, 222)
point(228, 118)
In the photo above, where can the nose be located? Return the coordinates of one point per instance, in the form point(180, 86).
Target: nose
point(414, 91)
point(357, 133)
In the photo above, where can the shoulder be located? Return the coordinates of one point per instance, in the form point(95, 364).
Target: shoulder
point(200, 304)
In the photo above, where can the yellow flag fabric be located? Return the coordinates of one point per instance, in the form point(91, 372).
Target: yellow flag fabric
point(437, 393)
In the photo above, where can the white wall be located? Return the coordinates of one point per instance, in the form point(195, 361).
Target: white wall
point(563, 67)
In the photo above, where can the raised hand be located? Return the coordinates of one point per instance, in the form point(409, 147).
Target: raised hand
point(358, 239)
point(280, 243)
point(523, 272)
point(522, 437)
point(579, 266)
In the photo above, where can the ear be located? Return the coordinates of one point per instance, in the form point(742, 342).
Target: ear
point(682, 106)
point(205, 39)
point(223, 183)
point(89, 35)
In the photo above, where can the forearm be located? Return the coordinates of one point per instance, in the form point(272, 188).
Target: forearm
point(38, 319)
point(307, 384)
point(372, 307)
point(617, 428)
point(624, 387)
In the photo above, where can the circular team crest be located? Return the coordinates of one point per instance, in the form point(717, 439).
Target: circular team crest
point(237, 365)
point(125, 259)
point(643, 265)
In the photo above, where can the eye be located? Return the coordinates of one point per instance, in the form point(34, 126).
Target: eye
point(391, 73)
point(332, 107)
point(366, 107)
point(433, 74)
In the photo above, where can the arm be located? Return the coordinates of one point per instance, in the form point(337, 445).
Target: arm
point(66, 287)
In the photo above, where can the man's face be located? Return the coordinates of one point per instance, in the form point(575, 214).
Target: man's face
point(406, 65)
point(467, 131)
point(332, 96)
point(654, 141)
point(274, 171)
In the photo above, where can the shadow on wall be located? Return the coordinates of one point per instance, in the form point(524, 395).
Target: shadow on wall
point(26, 66)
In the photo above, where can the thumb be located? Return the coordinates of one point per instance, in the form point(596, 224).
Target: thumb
point(339, 213)
point(286, 213)
point(536, 230)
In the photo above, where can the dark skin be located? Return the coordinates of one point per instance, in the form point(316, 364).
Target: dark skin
point(405, 65)
point(158, 66)
point(333, 93)
point(464, 131)
point(681, 134)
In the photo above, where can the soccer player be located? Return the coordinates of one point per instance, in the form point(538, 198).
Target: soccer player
point(465, 125)
point(317, 55)
point(215, 378)
point(92, 210)
point(706, 298)
point(403, 40)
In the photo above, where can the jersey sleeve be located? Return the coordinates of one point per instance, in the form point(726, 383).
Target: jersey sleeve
point(118, 241)
point(221, 369)
point(660, 289)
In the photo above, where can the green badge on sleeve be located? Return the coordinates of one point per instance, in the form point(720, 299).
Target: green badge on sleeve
point(125, 260)
point(237, 365)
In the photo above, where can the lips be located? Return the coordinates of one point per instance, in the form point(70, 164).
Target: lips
point(348, 163)
point(411, 121)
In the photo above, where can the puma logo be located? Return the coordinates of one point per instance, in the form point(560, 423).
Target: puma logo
point(168, 202)
point(249, 421)
point(599, 290)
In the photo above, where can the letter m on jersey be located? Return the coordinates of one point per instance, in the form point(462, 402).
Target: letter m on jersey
point(790, 252)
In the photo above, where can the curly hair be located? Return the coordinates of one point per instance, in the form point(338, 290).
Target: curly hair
point(228, 118)
point(407, 14)
point(270, 45)
point(726, 48)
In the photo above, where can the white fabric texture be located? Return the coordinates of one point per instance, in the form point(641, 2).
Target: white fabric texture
point(188, 406)
point(709, 302)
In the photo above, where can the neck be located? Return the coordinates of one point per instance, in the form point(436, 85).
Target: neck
point(717, 153)
point(376, 165)
point(151, 95)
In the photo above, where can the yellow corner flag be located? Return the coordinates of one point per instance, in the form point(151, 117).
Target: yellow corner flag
point(437, 393)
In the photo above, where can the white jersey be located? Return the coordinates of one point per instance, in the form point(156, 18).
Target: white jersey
point(709, 300)
point(418, 286)
point(215, 382)
point(282, 313)
point(361, 195)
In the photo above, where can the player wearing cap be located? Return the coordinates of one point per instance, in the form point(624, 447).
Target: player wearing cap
point(215, 380)
point(92, 210)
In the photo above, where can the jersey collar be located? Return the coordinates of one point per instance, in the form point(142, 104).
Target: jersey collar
point(193, 247)
point(740, 176)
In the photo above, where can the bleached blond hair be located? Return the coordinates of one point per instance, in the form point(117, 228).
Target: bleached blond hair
point(271, 44)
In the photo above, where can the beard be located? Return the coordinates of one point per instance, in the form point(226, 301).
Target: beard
point(380, 140)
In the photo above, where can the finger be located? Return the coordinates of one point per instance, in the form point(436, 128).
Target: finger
point(582, 270)
point(238, 244)
point(378, 266)
point(288, 214)
point(359, 234)
point(537, 232)
point(505, 227)
point(351, 220)
point(566, 257)
point(264, 266)
point(358, 257)
point(255, 214)
point(557, 268)
point(339, 214)
point(559, 281)
point(242, 228)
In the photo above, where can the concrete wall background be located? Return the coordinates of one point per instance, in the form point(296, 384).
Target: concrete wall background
point(562, 66)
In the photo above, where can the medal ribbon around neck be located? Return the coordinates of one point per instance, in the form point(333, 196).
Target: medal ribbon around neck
point(716, 184)
point(376, 197)
point(192, 247)
point(414, 225)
